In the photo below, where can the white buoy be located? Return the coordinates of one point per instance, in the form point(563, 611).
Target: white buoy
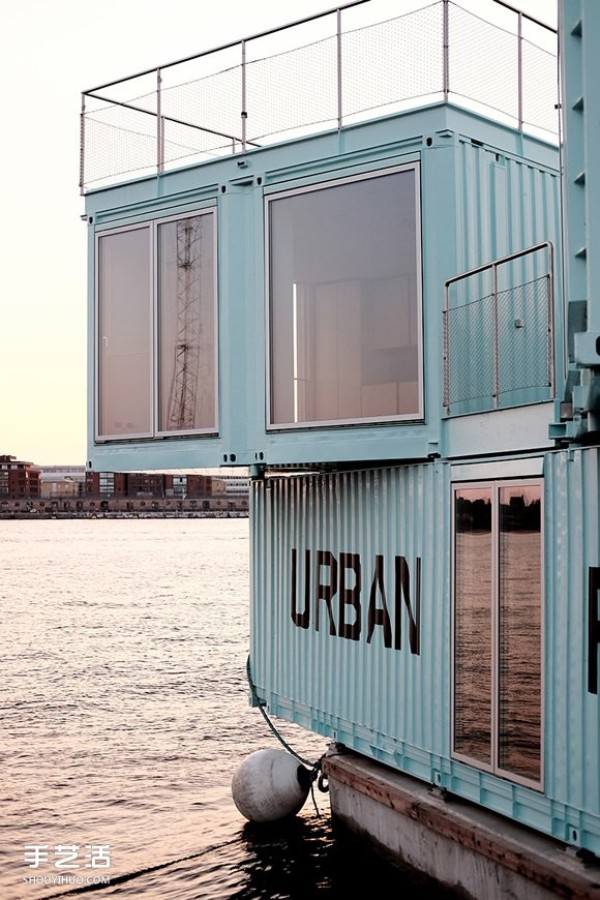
point(270, 785)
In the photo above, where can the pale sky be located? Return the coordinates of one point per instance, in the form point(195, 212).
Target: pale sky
point(51, 50)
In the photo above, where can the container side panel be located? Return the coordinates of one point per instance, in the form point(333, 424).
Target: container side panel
point(573, 609)
point(350, 607)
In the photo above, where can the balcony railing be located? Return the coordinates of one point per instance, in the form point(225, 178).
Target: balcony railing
point(253, 92)
point(499, 333)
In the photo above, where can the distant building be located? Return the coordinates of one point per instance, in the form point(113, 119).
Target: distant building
point(19, 479)
point(232, 486)
point(159, 485)
point(62, 481)
point(72, 490)
point(105, 484)
point(192, 485)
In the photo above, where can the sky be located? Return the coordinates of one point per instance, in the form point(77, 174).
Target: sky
point(50, 51)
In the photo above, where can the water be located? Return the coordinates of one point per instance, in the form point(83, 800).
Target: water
point(125, 713)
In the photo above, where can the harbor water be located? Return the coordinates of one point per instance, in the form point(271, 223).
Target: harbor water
point(125, 714)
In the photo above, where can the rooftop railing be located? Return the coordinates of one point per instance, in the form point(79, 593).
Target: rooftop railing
point(260, 90)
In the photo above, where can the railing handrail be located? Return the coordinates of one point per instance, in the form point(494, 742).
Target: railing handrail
point(525, 15)
point(238, 42)
point(503, 259)
point(244, 133)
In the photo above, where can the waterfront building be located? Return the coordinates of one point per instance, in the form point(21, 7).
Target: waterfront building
point(231, 486)
point(361, 298)
point(62, 481)
point(19, 480)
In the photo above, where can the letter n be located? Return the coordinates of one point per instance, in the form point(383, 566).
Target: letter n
point(402, 592)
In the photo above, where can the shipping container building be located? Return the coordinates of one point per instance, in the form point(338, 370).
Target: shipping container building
point(371, 314)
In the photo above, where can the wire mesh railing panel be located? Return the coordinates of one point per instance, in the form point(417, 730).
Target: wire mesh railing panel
point(523, 337)
point(483, 62)
point(250, 92)
point(292, 90)
point(183, 145)
point(498, 348)
point(393, 61)
point(540, 88)
point(212, 102)
point(118, 141)
point(470, 361)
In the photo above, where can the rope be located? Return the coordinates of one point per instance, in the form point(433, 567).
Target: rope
point(128, 876)
point(314, 768)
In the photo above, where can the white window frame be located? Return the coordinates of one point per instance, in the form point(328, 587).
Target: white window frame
point(495, 485)
point(152, 225)
point(417, 416)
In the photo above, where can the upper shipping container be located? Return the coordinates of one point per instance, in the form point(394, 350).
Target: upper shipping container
point(290, 306)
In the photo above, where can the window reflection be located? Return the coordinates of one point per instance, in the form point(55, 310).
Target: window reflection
point(124, 334)
point(156, 329)
point(498, 628)
point(473, 625)
point(520, 631)
point(345, 308)
point(186, 324)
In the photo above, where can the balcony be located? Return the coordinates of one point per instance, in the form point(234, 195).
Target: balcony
point(499, 334)
point(332, 72)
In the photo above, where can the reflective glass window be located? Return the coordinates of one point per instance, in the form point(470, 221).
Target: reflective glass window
point(186, 325)
point(124, 334)
point(498, 566)
point(156, 329)
point(473, 624)
point(345, 314)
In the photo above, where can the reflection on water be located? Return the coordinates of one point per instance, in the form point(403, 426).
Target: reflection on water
point(125, 713)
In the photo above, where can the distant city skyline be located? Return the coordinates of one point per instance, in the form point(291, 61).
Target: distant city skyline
point(49, 53)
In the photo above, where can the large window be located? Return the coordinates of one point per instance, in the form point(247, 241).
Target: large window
point(497, 722)
point(124, 333)
point(344, 298)
point(156, 320)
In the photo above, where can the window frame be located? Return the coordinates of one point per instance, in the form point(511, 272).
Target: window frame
point(494, 485)
point(152, 226)
point(331, 182)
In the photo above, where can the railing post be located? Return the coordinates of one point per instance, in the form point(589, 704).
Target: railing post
point(446, 314)
point(160, 126)
point(446, 49)
point(496, 390)
point(340, 111)
point(82, 146)
point(244, 111)
point(520, 70)
point(551, 361)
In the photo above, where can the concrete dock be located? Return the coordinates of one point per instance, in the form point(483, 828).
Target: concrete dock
point(485, 855)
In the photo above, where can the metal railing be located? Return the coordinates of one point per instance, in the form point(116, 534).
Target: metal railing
point(499, 333)
point(249, 92)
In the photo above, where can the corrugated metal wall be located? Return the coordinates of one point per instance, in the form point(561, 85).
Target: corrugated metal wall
point(505, 204)
point(384, 700)
point(572, 485)
point(391, 703)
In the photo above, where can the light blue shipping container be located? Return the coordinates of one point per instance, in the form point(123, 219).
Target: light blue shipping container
point(458, 182)
point(331, 552)
point(378, 324)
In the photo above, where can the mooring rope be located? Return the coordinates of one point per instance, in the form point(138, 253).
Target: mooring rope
point(314, 768)
point(138, 873)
